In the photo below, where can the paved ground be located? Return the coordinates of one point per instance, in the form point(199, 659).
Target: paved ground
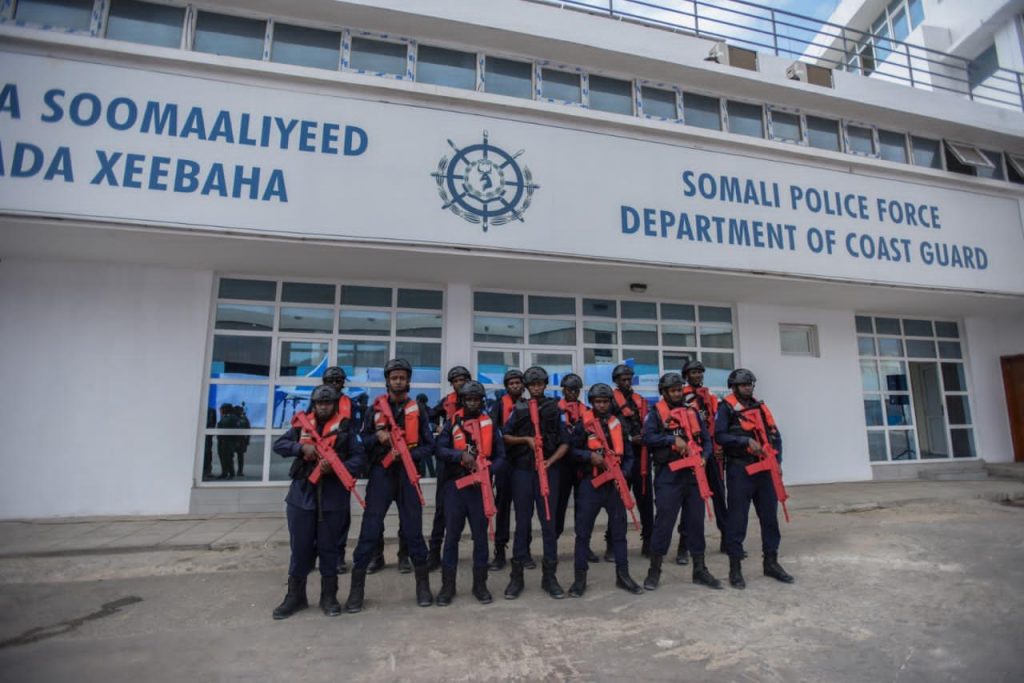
point(888, 590)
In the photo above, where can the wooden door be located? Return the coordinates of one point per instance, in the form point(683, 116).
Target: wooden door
point(1013, 381)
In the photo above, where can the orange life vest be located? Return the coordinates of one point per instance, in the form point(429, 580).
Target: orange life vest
point(459, 433)
point(681, 417)
point(329, 434)
point(508, 404)
point(624, 408)
point(749, 423)
point(708, 399)
point(573, 411)
point(345, 407)
point(595, 441)
point(450, 405)
point(411, 428)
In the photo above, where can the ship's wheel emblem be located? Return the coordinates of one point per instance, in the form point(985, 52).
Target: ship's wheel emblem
point(484, 184)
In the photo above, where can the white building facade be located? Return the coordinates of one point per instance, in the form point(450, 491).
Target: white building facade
point(204, 205)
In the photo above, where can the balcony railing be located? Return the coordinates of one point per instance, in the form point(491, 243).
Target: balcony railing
point(800, 37)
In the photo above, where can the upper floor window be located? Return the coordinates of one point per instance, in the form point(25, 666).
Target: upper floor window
point(222, 34)
point(306, 46)
point(72, 14)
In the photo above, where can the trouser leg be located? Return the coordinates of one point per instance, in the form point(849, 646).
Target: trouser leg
point(766, 504)
point(455, 522)
point(523, 484)
point(693, 511)
point(437, 529)
point(473, 503)
point(717, 486)
point(503, 501)
point(740, 492)
point(612, 504)
point(586, 513)
point(327, 531)
point(302, 531)
point(380, 492)
point(668, 494)
point(410, 517)
point(547, 526)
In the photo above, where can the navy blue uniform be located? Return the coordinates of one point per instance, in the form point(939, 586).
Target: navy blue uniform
point(643, 495)
point(569, 477)
point(317, 514)
point(525, 484)
point(385, 486)
point(744, 488)
point(467, 503)
point(712, 471)
point(438, 416)
point(503, 486)
point(674, 491)
point(590, 501)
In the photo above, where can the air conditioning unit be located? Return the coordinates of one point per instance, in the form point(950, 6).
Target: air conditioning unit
point(730, 55)
point(810, 73)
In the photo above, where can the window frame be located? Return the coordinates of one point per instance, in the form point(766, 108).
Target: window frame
point(639, 108)
point(538, 81)
point(771, 110)
point(349, 34)
point(813, 340)
point(742, 100)
point(630, 82)
point(846, 138)
point(957, 149)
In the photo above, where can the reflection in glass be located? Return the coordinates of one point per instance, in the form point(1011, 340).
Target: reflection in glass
point(307, 292)
point(430, 299)
point(145, 22)
point(221, 34)
point(640, 333)
point(289, 400)
point(354, 295)
point(242, 454)
point(295, 319)
point(963, 443)
point(950, 349)
point(718, 365)
point(306, 46)
point(279, 467)
point(645, 365)
point(363, 360)
point(558, 365)
point(890, 347)
point(897, 410)
point(248, 401)
point(876, 446)
point(560, 332)
point(595, 332)
point(716, 336)
point(376, 323)
point(239, 357)
point(958, 410)
point(495, 302)
point(498, 330)
point(418, 325)
point(303, 359)
point(921, 348)
point(673, 361)
point(598, 365)
point(678, 335)
point(561, 85)
point(866, 346)
point(873, 412)
point(552, 305)
point(379, 57)
point(869, 376)
point(252, 290)
point(491, 366)
point(599, 308)
point(242, 317)
point(507, 77)
point(425, 358)
point(894, 375)
point(786, 126)
point(953, 377)
point(903, 445)
point(658, 103)
point(860, 140)
point(441, 66)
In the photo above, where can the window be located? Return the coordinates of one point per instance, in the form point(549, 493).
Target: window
point(860, 140)
point(965, 158)
point(441, 66)
point(71, 14)
point(272, 340)
point(798, 340)
point(1015, 167)
point(916, 403)
point(927, 153)
point(995, 171)
point(745, 118)
point(611, 94)
point(508, 77)
point(221, 34)
point(380, 57)
point(144, 22)
point(306, 47)
point(785, 126)
point(658, 103)
point(702, 111)
point(892, 146)
point(561, 86)
point(823, 133)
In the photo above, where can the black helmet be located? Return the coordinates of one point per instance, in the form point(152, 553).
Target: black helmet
point(324, 392)
point(535, 374)
point(600, 390)
point(622, 369)
point(472, 388)
point(741, 376)
point(397, 364)
point(512, 374)
point(669, 379)
point(333, 373)
point(572, 381)
point(692, 364)
point(458, 371)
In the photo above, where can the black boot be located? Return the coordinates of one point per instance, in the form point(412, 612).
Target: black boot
point(548, 581)
point(355, 591)
point(447, 592)
point(645, 547)
point(404, 564)
point(682, 557)
point(592, 556)
point(424, 598)
point(579, 584)
point(377, 563)
point(736, 573)
point(329, 596)
point(294, 600)
point(434, 560)
point(653, 574)
point(624, 581)
point(515, 582)
point(498, 563)
point(701, 574)
point(773, 569)
point(480, 591)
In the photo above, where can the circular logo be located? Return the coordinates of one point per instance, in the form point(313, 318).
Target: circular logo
point(484, 184)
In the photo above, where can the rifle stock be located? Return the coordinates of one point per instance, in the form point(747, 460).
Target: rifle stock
point(538, 458)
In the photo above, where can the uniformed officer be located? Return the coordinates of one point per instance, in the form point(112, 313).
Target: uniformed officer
point(737, 416)
point(500, 412)
point(468, 435)
point(392, 484)
point(538, 414)
point(706, 403)
point(317, 513)
point(440, 413)
point(668, 431)
point(604, 441)
point(631, 408)
point(572, 412)
point(335, 376)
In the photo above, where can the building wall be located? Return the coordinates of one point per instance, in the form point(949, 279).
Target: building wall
point(108, 361)
point(817, 401)
point(988, 339)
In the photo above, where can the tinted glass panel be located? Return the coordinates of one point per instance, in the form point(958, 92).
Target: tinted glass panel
point(640, 333)
point(715, 314)
point(678, 335)
point(639, 309)
point(950, 349)
point(891, 348)
point(495, 329)
point(425, 358)
point(242, 317)
point(864, 324)
point(903, 445)
point(678, 312)
point(958, 410)
point(823, 133)
point(894, 375)
point(860, 140)
point(786, 126)
point(604, 308)
point(598, 365)
point(239, 357)
point(558, 366)
point(229, 400)
point(869, 376)
point(561, 332)
point(918, 328)
point(745, 119)
point(307, 293)
point(658, 103)
point(702, 111)
point(234, 36)
point(716, 336)
point(718, 365)
point(143, 22)
point(365, 296)
point(255, 290)
point(73, 14)
point(887, 325)
point(897, 410)
point(377, 323)
point(953, 377)
point(876, 446)
point(420, 298)
point(892, 146)
point(866, 346)
point(963, 443)
point(244, 453)
point(552, 305)
point(289, 400)
point(306, 46)
point(418, 325)
point(610, 94)
point(491, 366)
point(303, 359)
point(921, 348)
point(441, 66)
point(363, 360)
point(926, 152)
point(645, 364)
point(673, 361)
point(996, 171)
point(506, 77)
point(561, 85)
point(295, 319)
point(946, 329)
point(599, 332)
point(492, 302)
point(873, 412)
point(377, 56)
